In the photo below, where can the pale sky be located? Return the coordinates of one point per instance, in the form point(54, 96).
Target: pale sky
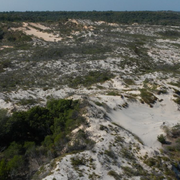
point(89, 5)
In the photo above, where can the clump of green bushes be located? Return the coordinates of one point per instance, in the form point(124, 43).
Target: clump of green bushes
point(148, 97)
point(169, 34)
point(161, 138)
point(36, 133)
point(115, 175)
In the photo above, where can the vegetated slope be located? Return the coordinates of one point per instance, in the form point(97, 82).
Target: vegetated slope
point(127, 77)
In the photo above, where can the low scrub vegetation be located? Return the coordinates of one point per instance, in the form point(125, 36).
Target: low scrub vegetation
point(91, 78)
point(148, 97)
point(115, 175)
point(169, 34)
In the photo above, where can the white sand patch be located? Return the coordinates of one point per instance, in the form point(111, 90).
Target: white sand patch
point(113, 24)
point(6, 105)
point(4, 47)
point(46, 36)
point(100, 22)
point(40, 26)
point(39, 34)
point(142, 120)
point(73, 21)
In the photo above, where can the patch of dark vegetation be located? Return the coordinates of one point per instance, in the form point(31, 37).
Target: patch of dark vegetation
point(168, 68)
point(170, 34)
point(128, 171)
point(7, 35)
point(81, 141)
point(24, 102)
point(176, 96)
point(162, 139)
point(148, 97)
point(91, 78)
point(78, 161)
point(129, 81)
point(5, 64)
point(61, 51)
point(38, 134)
point(115, 175)
point(172, 149)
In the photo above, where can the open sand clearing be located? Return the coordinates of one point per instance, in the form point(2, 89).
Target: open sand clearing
point(46, 36)
point(29, 30)
point(143, 121)
point(40, 26)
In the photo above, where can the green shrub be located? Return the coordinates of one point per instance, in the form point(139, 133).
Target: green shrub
point(24, 102)
point(148, 97)
point(114, 174)
point(13, 149)
point(150, 162)
point(4, 171)
point(175, 131)
point(91, 78)
point(98, 103)
point(129, 81)
point(170, 34)
point(78, 161)
point(1, 34)
point(110, 153)
point(15, 165)
point(113, 93)
point(127, 154)
point(161, 139)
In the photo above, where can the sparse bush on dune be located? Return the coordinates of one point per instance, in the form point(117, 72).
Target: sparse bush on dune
point(148, 97)
point(161, 138)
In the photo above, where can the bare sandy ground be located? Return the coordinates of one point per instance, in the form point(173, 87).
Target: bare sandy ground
point(3, 47)
point(46, 36)
point(29, 30)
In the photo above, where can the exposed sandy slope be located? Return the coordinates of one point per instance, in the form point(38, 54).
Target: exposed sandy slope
point(140, 119)
point(3, 47)
point(46, 36)
point(29, 30)
point(147, 122)
point(38, 25)
point(100, 163)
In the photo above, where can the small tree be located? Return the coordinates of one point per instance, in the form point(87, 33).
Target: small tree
point(3, 170)
point(161, 139)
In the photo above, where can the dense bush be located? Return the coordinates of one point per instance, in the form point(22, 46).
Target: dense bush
point(1, 34)
point(40, 131)
point(161, 139)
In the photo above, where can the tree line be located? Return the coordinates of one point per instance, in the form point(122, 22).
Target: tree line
point(124, 17)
